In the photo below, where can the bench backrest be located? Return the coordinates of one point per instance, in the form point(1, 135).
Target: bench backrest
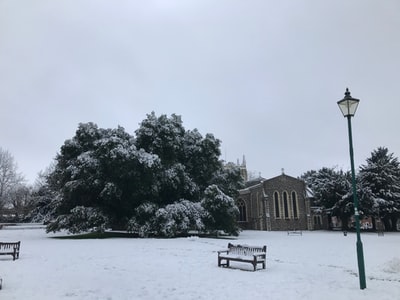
point(11, 246)
point(245, 249)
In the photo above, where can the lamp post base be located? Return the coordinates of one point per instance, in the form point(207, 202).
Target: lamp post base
point(361, 268)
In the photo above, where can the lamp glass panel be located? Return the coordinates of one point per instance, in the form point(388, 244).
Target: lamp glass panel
point(348, 106)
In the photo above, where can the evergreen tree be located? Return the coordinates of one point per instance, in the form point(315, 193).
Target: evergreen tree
point(332, 190)
point(229, 179)
point(380, 179)
point(221, 211)
point(44, 198)
point(188, 161)
point(328, 185)
point(103, 170)
point(152, 183)
point(201, 156)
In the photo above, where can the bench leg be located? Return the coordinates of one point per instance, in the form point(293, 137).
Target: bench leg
point(220, 262)
point(227, 262)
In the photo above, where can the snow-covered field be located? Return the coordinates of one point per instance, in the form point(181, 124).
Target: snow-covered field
point(316, 265)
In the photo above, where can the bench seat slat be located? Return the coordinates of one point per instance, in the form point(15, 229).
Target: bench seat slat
point(242, 258)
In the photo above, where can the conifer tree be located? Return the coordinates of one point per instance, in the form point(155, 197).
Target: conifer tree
point(380, 180)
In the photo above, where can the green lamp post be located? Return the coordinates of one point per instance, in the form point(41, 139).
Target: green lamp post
point(348, 106)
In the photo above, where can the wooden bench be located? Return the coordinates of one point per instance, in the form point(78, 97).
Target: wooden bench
point(243, 253)
point(10, 249)
point(294, 232)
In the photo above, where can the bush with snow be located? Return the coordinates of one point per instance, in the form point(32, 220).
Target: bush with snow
point(143, 220)
point(169, 221)
point(80, 219)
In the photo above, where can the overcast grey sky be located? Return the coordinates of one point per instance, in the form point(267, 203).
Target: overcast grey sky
point(262, 76)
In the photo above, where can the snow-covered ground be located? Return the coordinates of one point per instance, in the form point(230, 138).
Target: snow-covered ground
point(316, 265)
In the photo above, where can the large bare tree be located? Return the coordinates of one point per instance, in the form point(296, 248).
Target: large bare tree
point(9, 177)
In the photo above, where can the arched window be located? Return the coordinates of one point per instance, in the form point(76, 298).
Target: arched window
point(276, 203)
point(242, 211)
point(286, 205)
point(295, 206)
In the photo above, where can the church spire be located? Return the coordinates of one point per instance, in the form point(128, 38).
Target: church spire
point(243, 169)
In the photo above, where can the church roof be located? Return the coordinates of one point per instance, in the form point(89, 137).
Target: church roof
point(254, 181)
point(284, 175)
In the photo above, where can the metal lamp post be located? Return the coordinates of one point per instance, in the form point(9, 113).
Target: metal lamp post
point(348, 106)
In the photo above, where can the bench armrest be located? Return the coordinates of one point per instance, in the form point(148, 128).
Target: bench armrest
point(223, 251)
point(260, 255)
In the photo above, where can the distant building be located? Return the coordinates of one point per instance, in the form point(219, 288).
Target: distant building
point(279, 203)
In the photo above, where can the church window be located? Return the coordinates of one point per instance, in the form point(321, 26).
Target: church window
point(242, 211)
point(294, 205)
point(276, 203)
point(286, 205)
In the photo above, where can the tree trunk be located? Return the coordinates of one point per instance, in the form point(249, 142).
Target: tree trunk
point(373, 224)
point(388, 223)
point(345, 222)
point(393, 220)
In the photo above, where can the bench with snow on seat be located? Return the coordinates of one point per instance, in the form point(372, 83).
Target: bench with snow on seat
point(243, 253)
point(294, 232)
point(7, 248)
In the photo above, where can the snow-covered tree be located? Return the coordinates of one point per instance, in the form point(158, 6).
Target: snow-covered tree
point(162, 136)
point(102, 169)
point(332, 190)
point(380, 180)
point(123, 176)
point(201, 156)
point(188, 161)
point(45, 199)
point(229, 179)
point(328, 185)
point(221, 211)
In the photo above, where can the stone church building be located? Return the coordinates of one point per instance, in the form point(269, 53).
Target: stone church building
point(278, 203)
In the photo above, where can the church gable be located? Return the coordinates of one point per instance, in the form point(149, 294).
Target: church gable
point(284, 181)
